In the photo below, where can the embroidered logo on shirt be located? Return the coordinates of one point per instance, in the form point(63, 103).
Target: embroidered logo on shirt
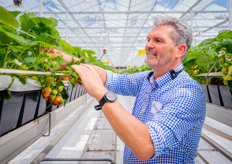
point(156, 106)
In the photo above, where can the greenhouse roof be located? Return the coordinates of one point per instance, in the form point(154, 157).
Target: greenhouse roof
point(121, 26)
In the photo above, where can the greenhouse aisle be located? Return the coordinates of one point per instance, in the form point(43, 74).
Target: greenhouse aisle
point(91, 137)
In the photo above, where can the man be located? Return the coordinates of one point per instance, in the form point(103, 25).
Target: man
point(169, 111)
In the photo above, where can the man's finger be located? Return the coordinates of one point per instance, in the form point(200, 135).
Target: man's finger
point(77, 69)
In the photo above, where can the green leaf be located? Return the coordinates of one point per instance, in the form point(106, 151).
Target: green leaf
point(206, 42)
point(59, 60)
point(5, 95)
point(30, 60)
point(17, 49)
point(230, 85)
point(65, 94)
point(193, 55)
point(223, 34)
point(66, 47)
point(36, 66)
point(203, 61)
point(17, 38)
point(4, 39)
point(15, 13)
point(60, 83)
point(227, 42)
point(8, 18)
point(22, 80)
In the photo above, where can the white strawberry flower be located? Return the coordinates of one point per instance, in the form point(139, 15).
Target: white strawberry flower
point(17, 62)
point(228, 57)
point(29, 53)
point(222, 52)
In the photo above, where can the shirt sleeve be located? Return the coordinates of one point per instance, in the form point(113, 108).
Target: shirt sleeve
point(183, 111)
point(126, 84)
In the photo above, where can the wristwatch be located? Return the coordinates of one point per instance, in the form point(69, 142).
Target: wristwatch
point(108, 97)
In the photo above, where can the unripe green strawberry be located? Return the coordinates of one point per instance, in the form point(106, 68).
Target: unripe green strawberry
point(230, 70)
point(62, 101)
point(221, 60)
point(228, 77)
point(60, 88)
point(55, 64)
point(224, 71)
point(195, 72)
point(34, 78)
point(23, 67)
point(73, 81)
point(225, 82)
point(54, 92)
point(50, 55)
point(50, 81)
point(52, 97)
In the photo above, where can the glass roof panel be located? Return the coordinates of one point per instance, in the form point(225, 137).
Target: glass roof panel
point(121, 26)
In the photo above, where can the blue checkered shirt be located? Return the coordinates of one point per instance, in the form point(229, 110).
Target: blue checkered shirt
point(173, 109)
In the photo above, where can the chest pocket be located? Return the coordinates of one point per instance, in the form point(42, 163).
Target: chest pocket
point(155, 107)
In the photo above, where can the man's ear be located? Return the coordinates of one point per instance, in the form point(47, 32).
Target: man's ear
point(181, 49)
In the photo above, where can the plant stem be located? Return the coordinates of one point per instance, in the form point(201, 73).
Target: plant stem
point(8, 49)
point(12, 81)
point(19, 56)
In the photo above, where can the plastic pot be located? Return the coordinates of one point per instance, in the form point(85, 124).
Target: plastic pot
point(41, 106)
point(226, 96)
point(28, 109)
point(206, 92)
point(73, 93)
point(10, 112)
point(215, 95)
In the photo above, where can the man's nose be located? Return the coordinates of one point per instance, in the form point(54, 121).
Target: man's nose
point(148, 45)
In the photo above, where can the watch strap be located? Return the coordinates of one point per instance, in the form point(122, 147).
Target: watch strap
point(98, 107)
point(101, 103)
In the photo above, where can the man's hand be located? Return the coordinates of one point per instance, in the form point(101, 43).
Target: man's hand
point(91, 80)
point(67, 57)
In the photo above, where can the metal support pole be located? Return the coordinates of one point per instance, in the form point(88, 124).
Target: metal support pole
point(230, 14)
point(66, 26)
point(41, 8)
point(191, 18)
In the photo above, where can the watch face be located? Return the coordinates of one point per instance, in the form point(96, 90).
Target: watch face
point(111, 96)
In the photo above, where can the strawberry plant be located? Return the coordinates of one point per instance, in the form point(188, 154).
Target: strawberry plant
point(211, 53)
point(136, 69)
point(29, 44)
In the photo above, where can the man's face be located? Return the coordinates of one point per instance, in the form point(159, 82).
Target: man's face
point(160, 47)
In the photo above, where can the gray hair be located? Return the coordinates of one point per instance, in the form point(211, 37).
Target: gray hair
point(182, 34)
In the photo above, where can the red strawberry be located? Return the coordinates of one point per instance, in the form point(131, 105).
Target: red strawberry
point(79, 82)
point(46, 92)
point(57, 100)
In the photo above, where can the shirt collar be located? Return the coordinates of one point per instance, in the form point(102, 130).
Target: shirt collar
point(166, 77)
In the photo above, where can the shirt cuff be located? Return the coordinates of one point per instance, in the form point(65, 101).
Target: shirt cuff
point(111, 82)
point(158, 144)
